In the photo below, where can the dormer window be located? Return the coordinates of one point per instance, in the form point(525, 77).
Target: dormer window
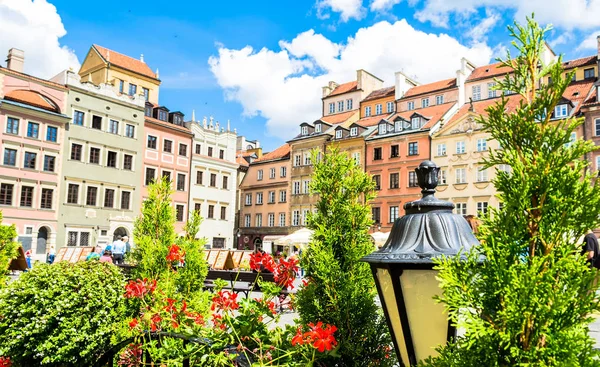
point(318, 128)
point(148, 111)
point(398, 126)
point(561, 111)
point(415, 122)
point(304, 130)
point(338, 134)
point(353, 131)
point(162, 115)
point(177, 120)
point(382, 129)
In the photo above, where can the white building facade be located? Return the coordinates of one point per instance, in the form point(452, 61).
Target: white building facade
point(213, 182)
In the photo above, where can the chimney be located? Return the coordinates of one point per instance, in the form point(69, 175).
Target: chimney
point(329, 88)
point(142, 57)
point(360, 75)
point(598, 56)
point(15, 59)
point(403, 84)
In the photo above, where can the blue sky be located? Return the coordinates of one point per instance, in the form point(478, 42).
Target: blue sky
point(270, 87)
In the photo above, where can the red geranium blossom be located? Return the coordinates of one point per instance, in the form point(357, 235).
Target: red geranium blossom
point(131, 356)
point(139, 288)
point(5, 362)
point(298, 339)
point(133, 323)
point(175, 254)
point(154, 322)
point(218, 321)
point(259, 261)
point(224, 300)
point(170, 308)
point(286, 272)
point(320, 338)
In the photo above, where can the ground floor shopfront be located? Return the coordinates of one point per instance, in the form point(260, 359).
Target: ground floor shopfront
point(266, 239)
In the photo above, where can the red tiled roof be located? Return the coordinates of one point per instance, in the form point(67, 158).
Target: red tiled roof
point(32, 98)
point(380, 93)
point(338, 117)
point(593, 98)
point(431, 113)
point(577, 92)
point(489, 71)
point(168, 125)
point(480, 107)
point(32, 78)
point(570, 64)
point(344, 88)
point(371, 120)
point(125, 62)
point(278, 153)
point(431, 87)
point(241, 161)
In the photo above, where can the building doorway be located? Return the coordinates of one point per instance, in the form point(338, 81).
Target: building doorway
point(42, 240)
point(120, 232)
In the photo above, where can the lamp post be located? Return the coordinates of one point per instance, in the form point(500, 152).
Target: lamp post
point(404, 274)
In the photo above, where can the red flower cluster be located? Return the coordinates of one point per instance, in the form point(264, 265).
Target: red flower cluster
point(139, 288)
point(225, 301)
point(175, 254)
point(284, 271)
point(131, 356)
point(320, 338)
point(5, 362)
point(155, 322)
point(257, 259)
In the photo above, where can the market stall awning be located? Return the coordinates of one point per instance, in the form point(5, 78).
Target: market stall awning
point(380, 238)
point(301, 238)
point(272, 238)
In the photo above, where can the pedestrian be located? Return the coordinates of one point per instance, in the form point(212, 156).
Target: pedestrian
point(591, 250)
point(127, 244)
point(118, 250)
point(95, 255)
point(51, 255)
point(28, 255)
point(106, 257)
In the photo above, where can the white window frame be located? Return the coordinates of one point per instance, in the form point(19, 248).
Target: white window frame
point(482, 145)
point(271, 219)
point(476, 92)
point(598, 163)
point(424, 102)
point(247, 220)
point(349, 104)
point(281, 219)
point(460, 175)
point(272, 197)
point(304, 130)
point(461, 147)
point(378, 109)
point(340, 106)
point(561, 111)
point(443, 179)
point(317, 128)
point(296, 218)
point(297, 160)
point(441, 149)
point(306, 187)
point(259, 174)
point(367, 111)
point(331, 107)
point(398, 126)
point(461, 208)
point(354, 131)
point(259, 198)
point(258, 220)
point(491, 90)
point(282, 196)
point(283, 172)
point(296, 188)
point(390, 107)
point(382, 129)
point(304, 218)
point(394, 213)
point(248, 199)
point(272, 172)
point(338, 134)
point(415, 123)
point(307, 161)
point(356, 157)
point(482, 207)
point(439, 99)
point(482, 174)
point(410, 106)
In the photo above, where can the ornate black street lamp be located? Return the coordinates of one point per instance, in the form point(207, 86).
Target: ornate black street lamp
point(404, 274)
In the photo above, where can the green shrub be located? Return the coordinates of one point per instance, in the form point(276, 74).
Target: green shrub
point(8, 248)
point(61, 313)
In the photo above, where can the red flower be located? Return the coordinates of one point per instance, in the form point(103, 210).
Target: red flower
point(272, 308)
point(320, 338)
point(286, 272)
point(183, 306)
point(224, 300)
point(298, 339)
point(170, 308)
point(218, 321)
point(139, 288)
point(175, 254)
point(131, 356)
point(154, 322)
point(175, 324)
point(5, 362)
point(133, 323)
point(259, 261)
point(255, 261)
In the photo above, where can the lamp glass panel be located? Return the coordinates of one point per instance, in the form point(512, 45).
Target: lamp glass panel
point(389, 299)
point(427, 318)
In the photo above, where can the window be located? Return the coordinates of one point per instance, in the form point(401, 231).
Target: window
point(258, 218)
point(225, 182)
point(94, 155)
point(415, 123)
point(306, 185)
point(442, 178)
point(412, 179)
point(353, 131)
point(247, 220)
point(482, 207)
point(410, 106)
point(297, 160)
point(121, 86)
point(304, 217)
point(167, 146)
point(211, 211)
point(46, 201)
point(162, 115)
point(271, 197)
point(296, 188)
point(296, 218)
point(180, 182)
point(166, 175)
point(51, 134)
point(183, 150)
point(12, 126)
point(461, 176)
point(597, 127)
point(132, 89)
point(377, 181)
point(481, 145)
point(33, 130)
point(111, 159)
point(26, 196)
point(97, 122)
point(560, 111)
point(113, 127)
point(461, 208)
point(376, 215)
point(128, 162)
point(348, 104)
point(197, 207)
point(282, 219)
point(491, 90)
point(572, 139)
point(340, 106)
point(378, 109)
point(338, 134)
point(29, 161)
point(460, 147)
point(413, 148)
point(317, 128)
point(109, 198)
point(125, 199)
point(221, 154)
point(482, 175)
point(199, 177)
point(146, 93)
point(441, 149)
point(76, 152)
point(439, 99)
point(368, 111)
point(331, 107)
point(150, 174)
point(91, 196)
point(210, 151)
point(588, 73)
point(148, 111)
point(476, 92)
point(198, 149)
point(395, 151)
point(10, 157)
point(271, 220)
point(223, 213)
point(307, 161)
point(78, 118)
point(179, 212)
point(6, 193)
point(425, 102)
point(272, 173)
point(282, 196)
point(393, 213)
point(356, 158)
point(394, 180)
point(73, 194)
point(49, 162)
point(377, 154)
point(382, 129)
point(598, 163)
point(248, 199)
point(390, 107)
point(259, 174)
point(151, 142)
point(259, 198)
point(304, 130)
point(213, 180)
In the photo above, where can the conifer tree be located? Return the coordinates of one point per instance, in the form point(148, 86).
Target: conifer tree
point(8, 248)
point(530, 301)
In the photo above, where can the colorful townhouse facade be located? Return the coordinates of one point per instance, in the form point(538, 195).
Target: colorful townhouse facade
point(265, 210)
point(591, 111)
point(33, 116)
point(102, 164)
point(213, 181)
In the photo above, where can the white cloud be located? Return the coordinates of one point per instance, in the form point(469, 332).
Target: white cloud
point(590, 42)
point(562, 39)
point(348, 9)
point(35, 27)
point(480, 31)
point(383, 5)
point(284, 86)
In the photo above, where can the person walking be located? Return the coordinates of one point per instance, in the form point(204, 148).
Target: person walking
point(106, 257)
point(118, 251)
point(51, 255)
point(591, 250)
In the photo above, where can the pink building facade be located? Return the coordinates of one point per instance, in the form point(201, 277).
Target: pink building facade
point(167, 152)
point(32, 123)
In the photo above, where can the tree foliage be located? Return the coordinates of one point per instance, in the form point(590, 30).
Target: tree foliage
point(8, 248)
point(340, 289)
point(531, 300)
